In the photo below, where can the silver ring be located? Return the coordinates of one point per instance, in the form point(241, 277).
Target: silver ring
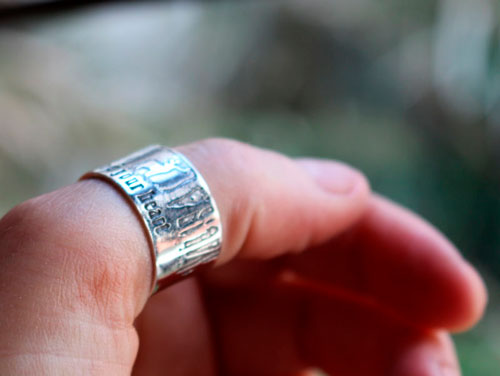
point(176, 207)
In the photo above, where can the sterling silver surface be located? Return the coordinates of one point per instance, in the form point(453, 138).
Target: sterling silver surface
point(176, 206)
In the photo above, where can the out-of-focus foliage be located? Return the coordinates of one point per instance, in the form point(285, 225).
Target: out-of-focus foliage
point(407, 91)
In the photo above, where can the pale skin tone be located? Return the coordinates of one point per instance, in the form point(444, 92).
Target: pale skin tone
point(315, 271)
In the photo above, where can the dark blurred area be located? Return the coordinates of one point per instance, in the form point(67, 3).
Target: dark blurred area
point(409, 92)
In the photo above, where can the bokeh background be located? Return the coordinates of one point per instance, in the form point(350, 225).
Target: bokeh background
point(409, 92)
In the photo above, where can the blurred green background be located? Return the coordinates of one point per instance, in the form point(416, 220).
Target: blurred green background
point(409, 92)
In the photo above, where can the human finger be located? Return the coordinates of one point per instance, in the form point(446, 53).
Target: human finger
point(400, 263)
point(77, 263)
point(284, 329)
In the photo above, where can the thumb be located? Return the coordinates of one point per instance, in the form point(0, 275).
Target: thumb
point(78, 266)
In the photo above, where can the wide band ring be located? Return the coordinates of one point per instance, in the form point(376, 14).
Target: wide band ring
point(174, 202)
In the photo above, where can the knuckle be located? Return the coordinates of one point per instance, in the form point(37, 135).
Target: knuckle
point(221, 143)
point(235, 158)
point(69, 255)
point(225, 150)
point(225, 160)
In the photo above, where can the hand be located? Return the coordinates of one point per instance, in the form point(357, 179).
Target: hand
point(315, 271)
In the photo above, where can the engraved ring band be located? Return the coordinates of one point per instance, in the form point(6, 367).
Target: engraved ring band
point(174, 202)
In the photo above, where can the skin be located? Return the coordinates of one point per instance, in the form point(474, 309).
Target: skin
point(315, 271)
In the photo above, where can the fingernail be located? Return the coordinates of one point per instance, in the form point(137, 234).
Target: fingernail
point(332, 177)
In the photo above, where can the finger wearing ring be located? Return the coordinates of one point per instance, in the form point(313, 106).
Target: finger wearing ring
point(175, 205)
